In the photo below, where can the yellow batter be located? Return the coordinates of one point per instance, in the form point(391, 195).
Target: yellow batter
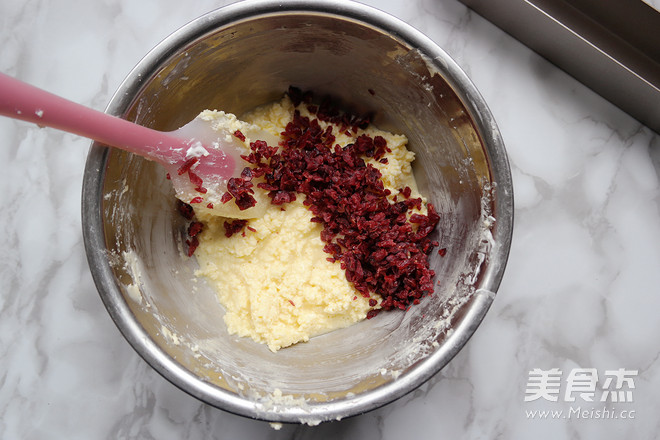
point(274, 279)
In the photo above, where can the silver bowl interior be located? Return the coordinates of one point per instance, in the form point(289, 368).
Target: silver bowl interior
point(235, 59)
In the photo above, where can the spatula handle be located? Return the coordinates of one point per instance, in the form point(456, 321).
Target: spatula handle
point(22, 101)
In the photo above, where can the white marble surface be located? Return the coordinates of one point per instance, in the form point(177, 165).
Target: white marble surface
point(582, 288)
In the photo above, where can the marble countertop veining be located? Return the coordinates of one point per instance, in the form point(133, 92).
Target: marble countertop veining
point(580, 297)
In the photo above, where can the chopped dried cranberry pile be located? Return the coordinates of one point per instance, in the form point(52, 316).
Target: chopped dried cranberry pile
point(381, 246)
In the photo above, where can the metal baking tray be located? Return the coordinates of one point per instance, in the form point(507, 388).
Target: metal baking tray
point(611, 46)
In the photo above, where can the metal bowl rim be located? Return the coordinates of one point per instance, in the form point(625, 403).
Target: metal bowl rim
point(92, 218)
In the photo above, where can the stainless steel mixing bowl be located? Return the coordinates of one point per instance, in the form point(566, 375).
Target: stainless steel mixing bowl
point(248, 54)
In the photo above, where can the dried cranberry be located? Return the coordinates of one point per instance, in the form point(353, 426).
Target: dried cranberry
point(187, 165)
point(195, 179)
point(185, 210)
point(192, 243)
point(226, 197)
point(195, 228)
point(234, 226)
point(239, 135)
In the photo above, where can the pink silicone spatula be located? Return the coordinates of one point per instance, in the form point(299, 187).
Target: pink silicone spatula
point(199, 159)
